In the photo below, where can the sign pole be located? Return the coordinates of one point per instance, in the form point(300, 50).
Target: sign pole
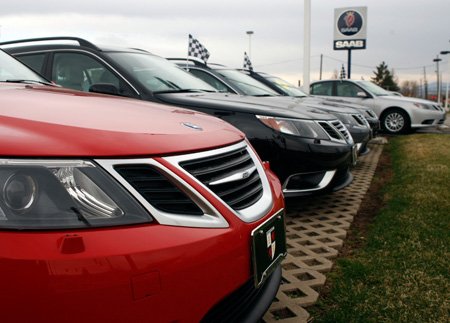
point(349, 63)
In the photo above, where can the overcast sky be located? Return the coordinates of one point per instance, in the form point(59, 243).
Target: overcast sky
point(406, 34)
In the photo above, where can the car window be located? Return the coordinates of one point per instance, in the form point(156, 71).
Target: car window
point(347, 89)
point(79, 71)
point(289, 88)
point(157, 74)
point(210, 79)
point(33, 61)
point(247, 84)
point(12, 70)
point(324, 88)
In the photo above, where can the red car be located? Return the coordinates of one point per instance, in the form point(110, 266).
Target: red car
point(115, 210)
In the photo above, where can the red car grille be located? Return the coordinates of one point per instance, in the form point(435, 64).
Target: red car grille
point(238, 194)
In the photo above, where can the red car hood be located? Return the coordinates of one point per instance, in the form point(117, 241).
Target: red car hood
point(49, 121)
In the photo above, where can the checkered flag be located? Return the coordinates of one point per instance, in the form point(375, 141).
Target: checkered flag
point(342, 75)
point(247, 62)
point(197, 50)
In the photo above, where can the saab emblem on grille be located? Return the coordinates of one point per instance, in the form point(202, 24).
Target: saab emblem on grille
point(192, 126)
point(235, 177)
point(271, 247)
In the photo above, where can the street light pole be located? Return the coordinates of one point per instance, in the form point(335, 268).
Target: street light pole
point(250, 33)
point(445, 52)
point(306, 45)
point(437, 60)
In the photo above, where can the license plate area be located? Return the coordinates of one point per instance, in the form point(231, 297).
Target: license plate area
point(354, 154)
point(268, 247)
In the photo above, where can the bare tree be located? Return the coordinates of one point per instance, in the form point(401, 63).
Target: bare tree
point(409, 88)
point(335, 75)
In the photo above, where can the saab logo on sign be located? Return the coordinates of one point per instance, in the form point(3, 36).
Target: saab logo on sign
point(271, 247)
point(348, 44)
point(349, 23)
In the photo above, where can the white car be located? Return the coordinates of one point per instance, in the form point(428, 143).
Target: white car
point(397, 114)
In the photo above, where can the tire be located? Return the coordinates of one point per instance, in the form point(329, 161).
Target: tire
point(395, 121)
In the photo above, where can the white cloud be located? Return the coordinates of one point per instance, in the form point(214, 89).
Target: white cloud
point(407, 35)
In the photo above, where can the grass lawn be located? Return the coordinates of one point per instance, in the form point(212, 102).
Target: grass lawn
point(398, 265)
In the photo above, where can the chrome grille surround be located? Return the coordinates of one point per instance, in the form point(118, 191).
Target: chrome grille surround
point(250, 213)
point(371, 113)
point(361, 120)
point(336, 131)
point(211, 217)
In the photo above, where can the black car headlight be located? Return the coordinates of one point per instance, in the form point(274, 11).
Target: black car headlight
point(295, 127)
point(62, 194)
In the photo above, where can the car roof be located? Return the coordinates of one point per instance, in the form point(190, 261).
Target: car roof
point(63, 42)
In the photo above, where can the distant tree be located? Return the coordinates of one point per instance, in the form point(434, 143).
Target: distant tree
point(385, 78)
point(410, 88)
point(335, 75)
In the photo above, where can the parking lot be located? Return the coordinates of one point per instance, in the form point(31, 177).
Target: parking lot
point(316, 231)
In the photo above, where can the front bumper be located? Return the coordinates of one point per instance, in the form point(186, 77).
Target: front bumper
point(152, 272)
point(422, 118)
point(361, 136)
point(304, 166)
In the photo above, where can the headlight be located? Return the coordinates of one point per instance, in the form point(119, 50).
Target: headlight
point(422, 106)
point(295, 127)
point(61, 194)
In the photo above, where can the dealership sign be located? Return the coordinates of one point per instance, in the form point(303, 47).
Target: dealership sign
point(350, 28)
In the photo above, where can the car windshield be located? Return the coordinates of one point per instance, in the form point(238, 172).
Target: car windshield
point(157, 74)
point(247, 84)
point(289, 88)
point(372, 88)
point(12, 70)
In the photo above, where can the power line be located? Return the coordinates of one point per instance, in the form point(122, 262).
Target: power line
point(403, 68)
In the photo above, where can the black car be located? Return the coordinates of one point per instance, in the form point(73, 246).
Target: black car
point(309, 150)
point(240, 82)
point(283, 87)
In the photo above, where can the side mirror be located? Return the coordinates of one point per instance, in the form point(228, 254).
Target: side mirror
point(105, 88)
point(361, 94)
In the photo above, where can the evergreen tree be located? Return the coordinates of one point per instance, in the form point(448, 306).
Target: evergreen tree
point(384, 78)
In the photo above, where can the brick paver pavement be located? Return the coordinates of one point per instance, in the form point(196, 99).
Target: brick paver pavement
point(316, 228)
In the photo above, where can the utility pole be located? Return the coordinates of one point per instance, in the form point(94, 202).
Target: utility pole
point(425, 83)
point(445, 52)
point(321, 62)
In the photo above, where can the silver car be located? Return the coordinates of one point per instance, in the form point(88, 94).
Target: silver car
point(397, 114)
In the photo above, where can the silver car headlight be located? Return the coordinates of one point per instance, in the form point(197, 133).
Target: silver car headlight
point(423, 106)
point(295, 127)
point(63, 194)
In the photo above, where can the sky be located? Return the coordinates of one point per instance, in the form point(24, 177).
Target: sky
point(406, 34)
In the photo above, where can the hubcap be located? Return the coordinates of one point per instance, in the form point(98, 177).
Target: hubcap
point(394, 122)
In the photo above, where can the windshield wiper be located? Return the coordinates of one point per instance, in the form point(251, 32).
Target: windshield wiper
point(182, 91)
point(264, 95)
point(28, 81)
